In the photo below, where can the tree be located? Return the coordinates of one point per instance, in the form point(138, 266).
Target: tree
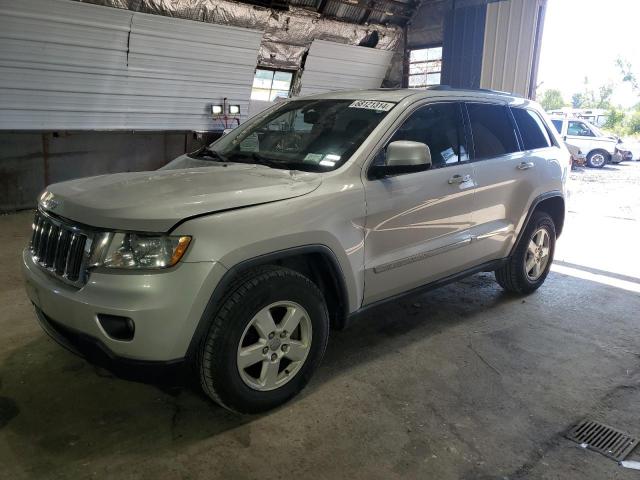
point(633, 124)
point(626, 69)
point(578, 100)
point(615, 120)
point(552, 99)
point(589, 98)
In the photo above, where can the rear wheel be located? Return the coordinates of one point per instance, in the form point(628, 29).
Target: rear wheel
point(597, 158)
point(528, 266)
point(265, 342)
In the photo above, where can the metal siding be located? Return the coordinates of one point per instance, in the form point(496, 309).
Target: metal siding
point(509, 41)
point(463, 46)
point(334, 66)
point(72, 66)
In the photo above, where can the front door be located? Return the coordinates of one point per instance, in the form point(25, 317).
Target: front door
point(417, 224)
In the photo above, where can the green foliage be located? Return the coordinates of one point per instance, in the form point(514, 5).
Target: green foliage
point(633, 123)
point(615, 121)
point(626, 70)
point(578, 100)
point(552, 99)
point(590, 98)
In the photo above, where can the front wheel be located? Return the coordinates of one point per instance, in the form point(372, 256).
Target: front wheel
point(528, 266)
point(265, 342)
point(597, 158)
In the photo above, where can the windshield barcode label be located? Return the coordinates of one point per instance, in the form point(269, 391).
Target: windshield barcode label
point(372, 105)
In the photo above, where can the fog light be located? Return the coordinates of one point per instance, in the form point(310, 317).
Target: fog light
point(117, 327)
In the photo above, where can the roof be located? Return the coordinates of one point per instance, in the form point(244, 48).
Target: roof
point(396, 12)
point(396, 95)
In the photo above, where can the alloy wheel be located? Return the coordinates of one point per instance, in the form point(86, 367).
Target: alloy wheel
point(598, 159)
point(537, 255)
point(274, 345)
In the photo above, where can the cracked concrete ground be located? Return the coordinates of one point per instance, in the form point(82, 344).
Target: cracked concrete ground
point(465, 382)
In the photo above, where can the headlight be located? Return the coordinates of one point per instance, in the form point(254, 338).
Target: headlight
point(137, 250)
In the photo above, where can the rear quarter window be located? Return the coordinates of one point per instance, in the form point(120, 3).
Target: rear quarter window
point(532, 130)
point(558, 125)
point(492, 129)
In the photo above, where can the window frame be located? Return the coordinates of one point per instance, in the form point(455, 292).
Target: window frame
point(514, 126)
point(274, 71)
point(409, 63)
point(385, 140)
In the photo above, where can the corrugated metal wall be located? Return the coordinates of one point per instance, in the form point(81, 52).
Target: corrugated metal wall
point(509, 45)
point(71, 66)
point(334, 66)
point(463, 46)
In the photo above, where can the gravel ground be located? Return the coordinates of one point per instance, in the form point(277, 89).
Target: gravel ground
point(613, 191)
point(603, 220)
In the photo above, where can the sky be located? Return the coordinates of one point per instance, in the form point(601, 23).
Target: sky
point(584, 38)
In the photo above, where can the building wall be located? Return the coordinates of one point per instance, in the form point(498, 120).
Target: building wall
point(30, 161)
point(493, 44)
point(71, 66)
point(462, 49)
point(511, 36)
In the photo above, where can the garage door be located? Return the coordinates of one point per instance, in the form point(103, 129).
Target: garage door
point(334, 66)
point(66, 65)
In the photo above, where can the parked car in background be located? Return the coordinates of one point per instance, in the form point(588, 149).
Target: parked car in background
point(596, 116)
point(577, 157)
point(598, 147)
point(634, 147)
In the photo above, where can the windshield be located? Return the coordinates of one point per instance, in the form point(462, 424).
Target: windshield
point(310, 135)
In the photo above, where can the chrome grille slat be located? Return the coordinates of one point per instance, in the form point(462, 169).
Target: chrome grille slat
point(60, 248)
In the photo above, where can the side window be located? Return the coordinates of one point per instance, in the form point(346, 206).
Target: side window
point(533, 132)
point(440, 127)
point(492, 129)
point(558, 125)
point(579, 129)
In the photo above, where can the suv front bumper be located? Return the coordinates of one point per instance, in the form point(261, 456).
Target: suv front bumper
point(165, 306)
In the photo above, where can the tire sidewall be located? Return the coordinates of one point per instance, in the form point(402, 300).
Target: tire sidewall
point(223, 368)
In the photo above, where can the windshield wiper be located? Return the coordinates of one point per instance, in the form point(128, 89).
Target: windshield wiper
point(207, 152)
point(260, 160)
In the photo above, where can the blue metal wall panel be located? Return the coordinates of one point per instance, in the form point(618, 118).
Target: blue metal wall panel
point(462, 47)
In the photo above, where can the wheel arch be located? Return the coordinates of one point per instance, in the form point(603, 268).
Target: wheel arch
point(318, 262)
point(551, 203)
point(600, 149)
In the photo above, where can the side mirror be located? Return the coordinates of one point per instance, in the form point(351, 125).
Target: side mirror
point(403, 156)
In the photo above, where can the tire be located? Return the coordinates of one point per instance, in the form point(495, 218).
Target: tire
point(597, 158)
point(238, 324)
point(514, 276)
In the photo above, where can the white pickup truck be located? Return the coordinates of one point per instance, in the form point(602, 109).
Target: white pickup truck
point(598, 147)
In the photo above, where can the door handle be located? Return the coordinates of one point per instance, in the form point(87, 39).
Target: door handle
point(459, 179)
point(525, 165)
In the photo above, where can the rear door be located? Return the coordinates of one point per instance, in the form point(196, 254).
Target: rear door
point(417, 225)
point(506, 177)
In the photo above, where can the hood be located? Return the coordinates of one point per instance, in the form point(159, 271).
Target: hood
point(156, 201)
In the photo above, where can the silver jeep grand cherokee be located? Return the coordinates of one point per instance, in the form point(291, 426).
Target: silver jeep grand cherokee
point(237, 258)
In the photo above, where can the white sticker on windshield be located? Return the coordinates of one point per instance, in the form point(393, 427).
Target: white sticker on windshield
point(372, 105)
point(312, 158)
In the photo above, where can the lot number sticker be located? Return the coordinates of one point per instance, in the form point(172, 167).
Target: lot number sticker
point(372, 105)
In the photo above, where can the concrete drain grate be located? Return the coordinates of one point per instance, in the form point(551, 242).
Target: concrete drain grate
point(601, 438)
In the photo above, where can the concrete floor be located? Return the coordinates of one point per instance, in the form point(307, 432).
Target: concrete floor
point(463, 382)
